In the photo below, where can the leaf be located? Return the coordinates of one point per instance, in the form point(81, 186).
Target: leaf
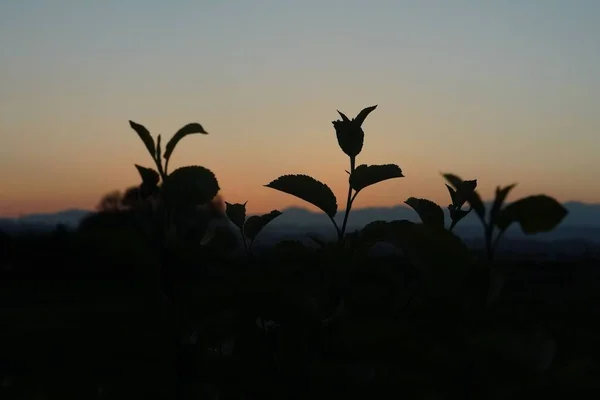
point(256, 223)
point(441, 253)
point(308, 189)
point(465, 191)
point(362, 115)
point(344, 118)
point(149, 176)
point(535, 214)
point(382, 231)
point(191, 186)
point(429, 212)
point(477, 205)
point(452, 193)
point(367, 175)
point(236, 213)
point(144, 134)
point(501, 194)
point(180, 134)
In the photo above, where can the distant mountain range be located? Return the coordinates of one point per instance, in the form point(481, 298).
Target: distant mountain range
point(582, 222)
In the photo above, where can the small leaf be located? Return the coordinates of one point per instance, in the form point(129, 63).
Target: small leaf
point(144, 134)
point(367, 175)
point(191, 185)
point(362, 115)
point(308, 189)
point(465, 191)
point(344, 118)
point(236, 213)
point(501, 194)
point(452, 193)
point(255, 224)
point(535, 214)
point(149, 176)
point(477, 205)
point(429, 212)
point(180, 134)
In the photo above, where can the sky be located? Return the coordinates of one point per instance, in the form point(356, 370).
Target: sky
point(501, 91)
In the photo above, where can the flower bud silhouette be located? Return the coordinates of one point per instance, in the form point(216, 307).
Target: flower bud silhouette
point(349, 132)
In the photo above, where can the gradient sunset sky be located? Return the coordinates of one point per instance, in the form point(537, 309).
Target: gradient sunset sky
point(502, 91)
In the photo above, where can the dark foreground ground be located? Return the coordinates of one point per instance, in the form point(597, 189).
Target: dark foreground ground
point(82, 319)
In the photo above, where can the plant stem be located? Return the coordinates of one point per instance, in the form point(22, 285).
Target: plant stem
point(349, 199)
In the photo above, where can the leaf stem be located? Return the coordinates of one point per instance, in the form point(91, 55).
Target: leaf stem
point(349, 199)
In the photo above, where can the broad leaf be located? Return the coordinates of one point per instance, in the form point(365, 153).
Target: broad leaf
point(308, 189)
point(149, 176)
point(429, 212)
point(367, 175)
point(180, 134)
point(144, 134)
point(256, 223)
point(191, 186)
point(535, 214)
point(236, 213)
point(501, 194)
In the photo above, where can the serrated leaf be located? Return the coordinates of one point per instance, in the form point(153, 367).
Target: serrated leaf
point(255, 224)
point(308, 189)
point(501, 194)
point(188, 129)
point(191, 186)
point(362, 115)
point(367, 175)
point(144, 134)
point(236, 213)
point(535, 214)
point(429, 212)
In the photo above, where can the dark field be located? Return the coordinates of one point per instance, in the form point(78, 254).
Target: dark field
point(80, 318)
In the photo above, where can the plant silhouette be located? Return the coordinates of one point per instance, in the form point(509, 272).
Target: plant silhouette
point(350, 136)
point(156, 303)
